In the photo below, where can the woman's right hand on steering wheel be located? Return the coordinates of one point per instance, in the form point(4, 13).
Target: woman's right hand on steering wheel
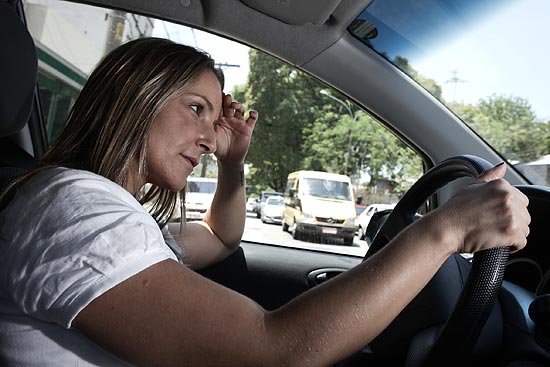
point(488, 213)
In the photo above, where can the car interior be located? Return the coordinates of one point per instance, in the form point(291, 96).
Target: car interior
point(492, 308)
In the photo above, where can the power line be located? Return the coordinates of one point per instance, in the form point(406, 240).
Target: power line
point(224, 65)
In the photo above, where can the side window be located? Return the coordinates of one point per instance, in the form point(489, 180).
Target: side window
point(304, 125)
point(57, 98)
point(290, 190)
point(66, 52)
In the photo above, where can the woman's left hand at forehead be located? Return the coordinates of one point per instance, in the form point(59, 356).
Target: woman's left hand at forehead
point(233, 131)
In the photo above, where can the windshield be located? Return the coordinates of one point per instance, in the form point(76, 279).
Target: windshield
point(266, 195)
point(327, 189)
point(305, 125)
point(202, 187)
point(485, 60)
point(275, 201)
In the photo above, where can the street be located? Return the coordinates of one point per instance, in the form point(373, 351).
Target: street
point(256, 231)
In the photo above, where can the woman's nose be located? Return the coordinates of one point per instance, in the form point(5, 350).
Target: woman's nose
point(207, 140)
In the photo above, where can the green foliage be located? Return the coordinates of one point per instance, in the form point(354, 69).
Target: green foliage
point(365, 146)
point(509, 125)
point(429, 84)
point(300, 128)
point(286, 100)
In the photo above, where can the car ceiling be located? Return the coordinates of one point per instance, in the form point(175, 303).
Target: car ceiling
point(295, 43)
point(329, 52)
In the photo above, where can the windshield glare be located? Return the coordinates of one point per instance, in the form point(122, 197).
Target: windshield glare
point(327, 189)
point(275, 201)
point(202, 187)
point(485, 60)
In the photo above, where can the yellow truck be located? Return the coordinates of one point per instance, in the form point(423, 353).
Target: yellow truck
point(319, 205)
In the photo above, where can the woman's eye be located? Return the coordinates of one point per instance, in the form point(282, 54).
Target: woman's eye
point(197, 108)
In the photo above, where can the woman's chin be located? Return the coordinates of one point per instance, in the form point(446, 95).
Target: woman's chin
point(174, 184)
point(176, 187)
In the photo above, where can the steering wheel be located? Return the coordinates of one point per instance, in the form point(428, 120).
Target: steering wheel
point(459, 334)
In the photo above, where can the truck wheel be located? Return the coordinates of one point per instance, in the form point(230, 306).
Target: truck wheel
point(361, 233)
point(348, 241)
point(295, 233)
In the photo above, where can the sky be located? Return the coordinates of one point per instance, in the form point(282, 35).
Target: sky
point(222, 50)
point(516, 62)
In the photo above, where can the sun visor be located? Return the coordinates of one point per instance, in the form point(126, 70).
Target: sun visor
point(295, 12)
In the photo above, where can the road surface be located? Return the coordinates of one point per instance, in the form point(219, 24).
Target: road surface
point(256, 231)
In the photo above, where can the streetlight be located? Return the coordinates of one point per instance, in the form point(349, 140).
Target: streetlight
point(325, 93)
point(348, 156)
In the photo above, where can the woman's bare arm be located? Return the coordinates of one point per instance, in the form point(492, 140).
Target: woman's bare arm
point(220, 233)
point(169, 315)
point(212, 240)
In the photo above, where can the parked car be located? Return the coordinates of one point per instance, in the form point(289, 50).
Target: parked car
point(358, 210)
point(383, 91)
point(365, 217)
point(272, 210)
point(251, 204)
point(261, 201)
point(198, 197)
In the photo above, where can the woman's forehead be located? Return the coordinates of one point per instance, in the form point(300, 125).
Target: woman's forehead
point(206, 85)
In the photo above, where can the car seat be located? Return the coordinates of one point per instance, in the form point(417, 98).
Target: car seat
point(18, 73)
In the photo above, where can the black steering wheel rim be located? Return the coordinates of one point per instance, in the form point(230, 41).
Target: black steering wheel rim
point(461, 331)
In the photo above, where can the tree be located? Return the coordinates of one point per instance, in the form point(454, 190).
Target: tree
point(299, 128)
point(287, 100)
point(373, 150)
point(509, 125)
point(429, 84)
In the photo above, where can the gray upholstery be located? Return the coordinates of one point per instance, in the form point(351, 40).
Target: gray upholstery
point(18, 71)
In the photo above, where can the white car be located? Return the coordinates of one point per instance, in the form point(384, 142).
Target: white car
point(250, 204)
point(364, 218)
point(272, 210)
point(198, 197)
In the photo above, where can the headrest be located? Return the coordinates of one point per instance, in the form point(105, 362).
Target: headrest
point(18, 70)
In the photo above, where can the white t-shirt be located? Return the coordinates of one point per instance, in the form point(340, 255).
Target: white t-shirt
point(67, 237)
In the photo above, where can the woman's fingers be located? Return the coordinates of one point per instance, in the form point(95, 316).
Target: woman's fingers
point(490, 212)
point(234, 130)
point(238, 109)
point(232, 108)
point(493, 173)
point(522, 221)
point(252, 118)
point(227, 111)
point(513, 206)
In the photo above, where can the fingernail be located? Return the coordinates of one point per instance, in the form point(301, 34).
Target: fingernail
point(499, 164)
point(253, 112)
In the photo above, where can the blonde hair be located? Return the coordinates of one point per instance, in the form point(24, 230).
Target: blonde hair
point(108, 126)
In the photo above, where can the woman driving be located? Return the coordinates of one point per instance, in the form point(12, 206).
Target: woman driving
point(90, 278)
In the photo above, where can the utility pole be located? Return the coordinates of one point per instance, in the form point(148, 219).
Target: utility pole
point(454, 80)
point(352, 115)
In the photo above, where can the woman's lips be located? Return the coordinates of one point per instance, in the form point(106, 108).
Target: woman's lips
point(194, 161)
